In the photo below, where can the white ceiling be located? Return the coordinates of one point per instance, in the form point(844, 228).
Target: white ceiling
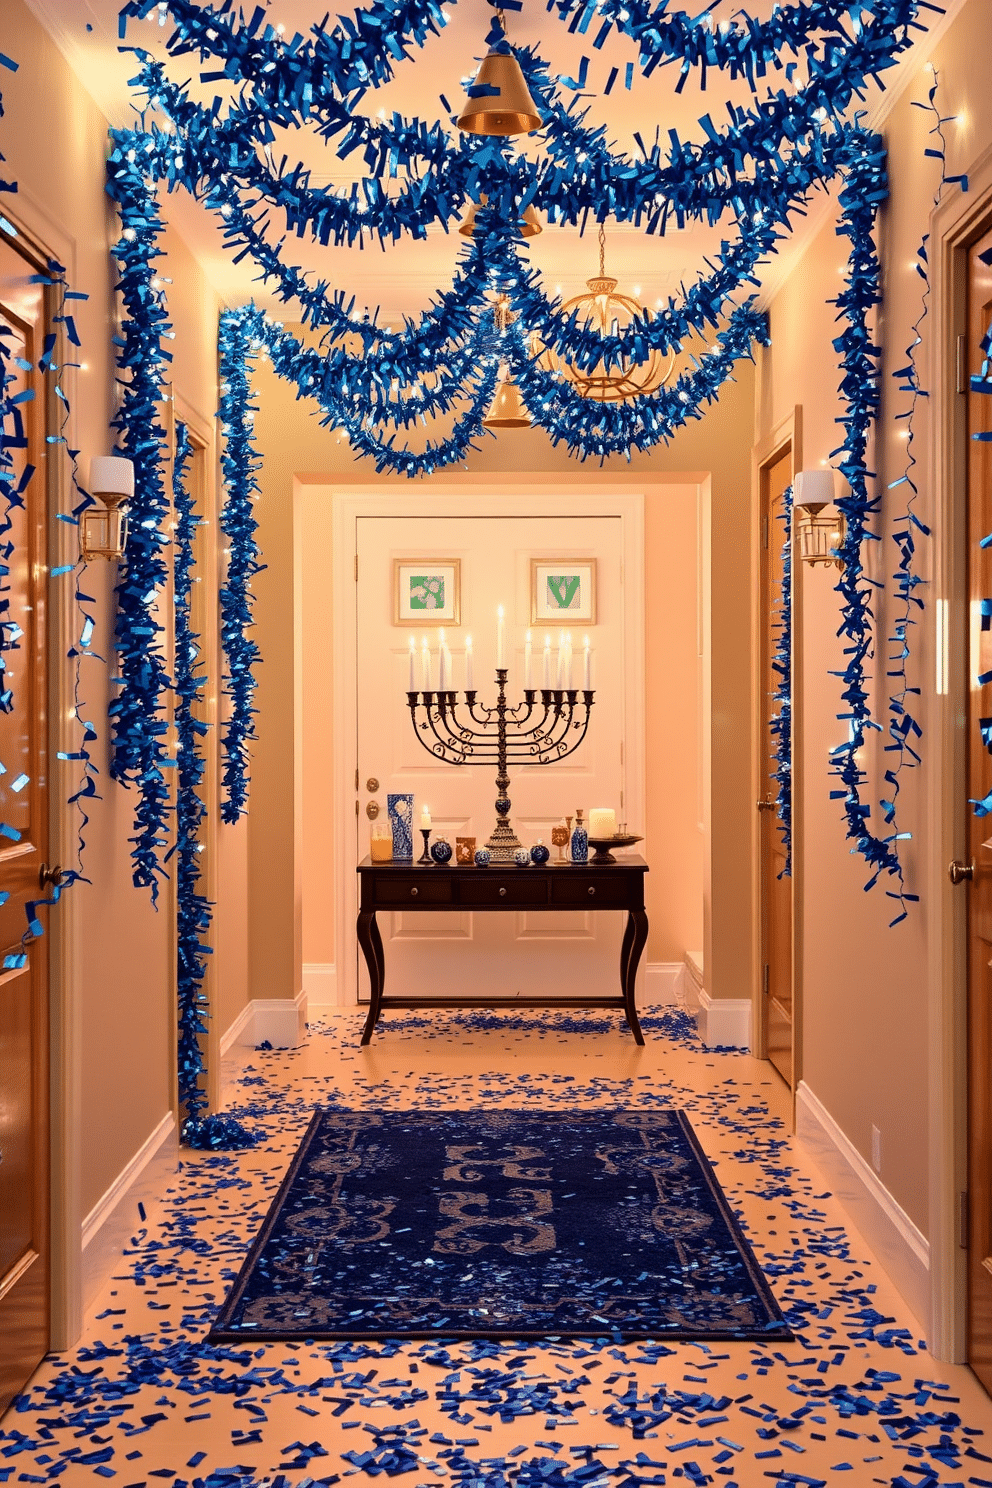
point(404, 277)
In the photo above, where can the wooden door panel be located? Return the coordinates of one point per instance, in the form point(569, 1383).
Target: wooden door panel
point(776, 886)
point(979, 891)
point(24, 1058)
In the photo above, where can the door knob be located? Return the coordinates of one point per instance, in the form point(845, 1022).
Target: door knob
point(372, 809)
point(957, 872)
point(371, 785)
point(50, 877)
point(767, 804)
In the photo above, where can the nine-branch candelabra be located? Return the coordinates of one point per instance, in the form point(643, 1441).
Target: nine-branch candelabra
point(547, 726)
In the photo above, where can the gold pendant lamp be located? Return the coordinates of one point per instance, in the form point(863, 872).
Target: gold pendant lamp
point(528, 223)
point(507, 410)
point(499, 100)
point(605, 311)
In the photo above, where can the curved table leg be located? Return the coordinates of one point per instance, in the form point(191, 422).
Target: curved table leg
point(371, 943)
point(628, 941)
point(637, 921)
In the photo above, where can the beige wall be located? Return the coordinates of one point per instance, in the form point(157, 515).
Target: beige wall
point(120, 983)
point(865, 986)
point(293, 444)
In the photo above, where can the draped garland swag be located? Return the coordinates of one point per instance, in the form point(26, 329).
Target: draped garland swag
point(373, 384)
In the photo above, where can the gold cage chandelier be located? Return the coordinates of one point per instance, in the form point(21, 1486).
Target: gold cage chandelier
point(608, 313)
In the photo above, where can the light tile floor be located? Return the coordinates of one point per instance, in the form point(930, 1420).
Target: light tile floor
point(856, 1400)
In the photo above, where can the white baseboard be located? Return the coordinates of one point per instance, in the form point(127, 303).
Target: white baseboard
point(279, 1020)
point(241, 1031)
point(107, 1229)
point(902, 1249)
point(320, 983)
point(691, 985)
point(724, 1021)
point(659, 984)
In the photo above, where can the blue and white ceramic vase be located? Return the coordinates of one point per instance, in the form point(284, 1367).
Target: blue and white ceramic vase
point(580, 843)
point(539, 853)
point(522, 857)
point(483, 857)
point(441, 851)
point(400, 811)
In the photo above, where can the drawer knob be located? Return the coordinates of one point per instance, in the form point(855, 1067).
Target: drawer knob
point(414, 893)
point(592, 890)
point(502, 893)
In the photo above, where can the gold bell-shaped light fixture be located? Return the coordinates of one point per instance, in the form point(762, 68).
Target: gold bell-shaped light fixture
point(499, 100)
point(606, 312)
point(507, 410)
point(528, 223)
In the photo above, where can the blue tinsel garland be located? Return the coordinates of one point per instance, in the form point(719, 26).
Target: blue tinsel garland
point(238, 344)
point(757, 169)
point(193, 911)
point(781, 720)
point(139, 726)
point(864, 191)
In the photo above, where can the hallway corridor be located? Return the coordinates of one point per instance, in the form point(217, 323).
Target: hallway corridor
point(141, 1399)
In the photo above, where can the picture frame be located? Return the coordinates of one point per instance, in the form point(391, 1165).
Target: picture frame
point(427, 591)
point(563, 591)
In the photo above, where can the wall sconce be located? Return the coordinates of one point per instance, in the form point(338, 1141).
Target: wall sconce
point(103, 529)
point(819, 533)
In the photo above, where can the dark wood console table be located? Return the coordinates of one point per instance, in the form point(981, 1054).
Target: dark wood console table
point(410, 886)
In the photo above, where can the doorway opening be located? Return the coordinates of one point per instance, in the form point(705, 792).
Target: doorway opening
point(777, 1015)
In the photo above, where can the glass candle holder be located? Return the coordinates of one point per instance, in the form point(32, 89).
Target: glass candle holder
point(381, 842)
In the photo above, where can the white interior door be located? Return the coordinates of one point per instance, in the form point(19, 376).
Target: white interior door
point(452, 954)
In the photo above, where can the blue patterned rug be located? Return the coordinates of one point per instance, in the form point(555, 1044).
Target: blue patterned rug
point(411, 1224)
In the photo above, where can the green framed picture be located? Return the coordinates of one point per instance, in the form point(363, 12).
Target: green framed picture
point(563, 591)
point(427, 591)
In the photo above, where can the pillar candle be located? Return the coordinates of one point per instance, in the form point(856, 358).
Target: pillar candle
point(500, 640)
point(546, 676)
point(425, 666)
point(425, 817)
point(602, 822)
point(527, 661)
point(469, 668)
point(587, 667)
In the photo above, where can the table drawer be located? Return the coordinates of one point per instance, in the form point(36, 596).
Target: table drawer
point(413, 889)
point(588, 892)
point(502, 889)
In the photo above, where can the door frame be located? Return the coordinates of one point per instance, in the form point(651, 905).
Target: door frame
point(954, 224)
point(786, 436)
point(41, 240)
point(526, 496)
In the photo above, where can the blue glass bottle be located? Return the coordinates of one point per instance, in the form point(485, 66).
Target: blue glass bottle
point(580, 840)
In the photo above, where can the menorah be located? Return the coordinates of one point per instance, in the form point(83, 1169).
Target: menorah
point(536, 732)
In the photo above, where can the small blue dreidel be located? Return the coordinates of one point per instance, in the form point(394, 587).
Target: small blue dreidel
point(522, 857)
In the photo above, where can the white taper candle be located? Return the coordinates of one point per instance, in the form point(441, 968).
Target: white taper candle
point(500, 640)
point(527, 661)
point(469, 667)
point(425, 666)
